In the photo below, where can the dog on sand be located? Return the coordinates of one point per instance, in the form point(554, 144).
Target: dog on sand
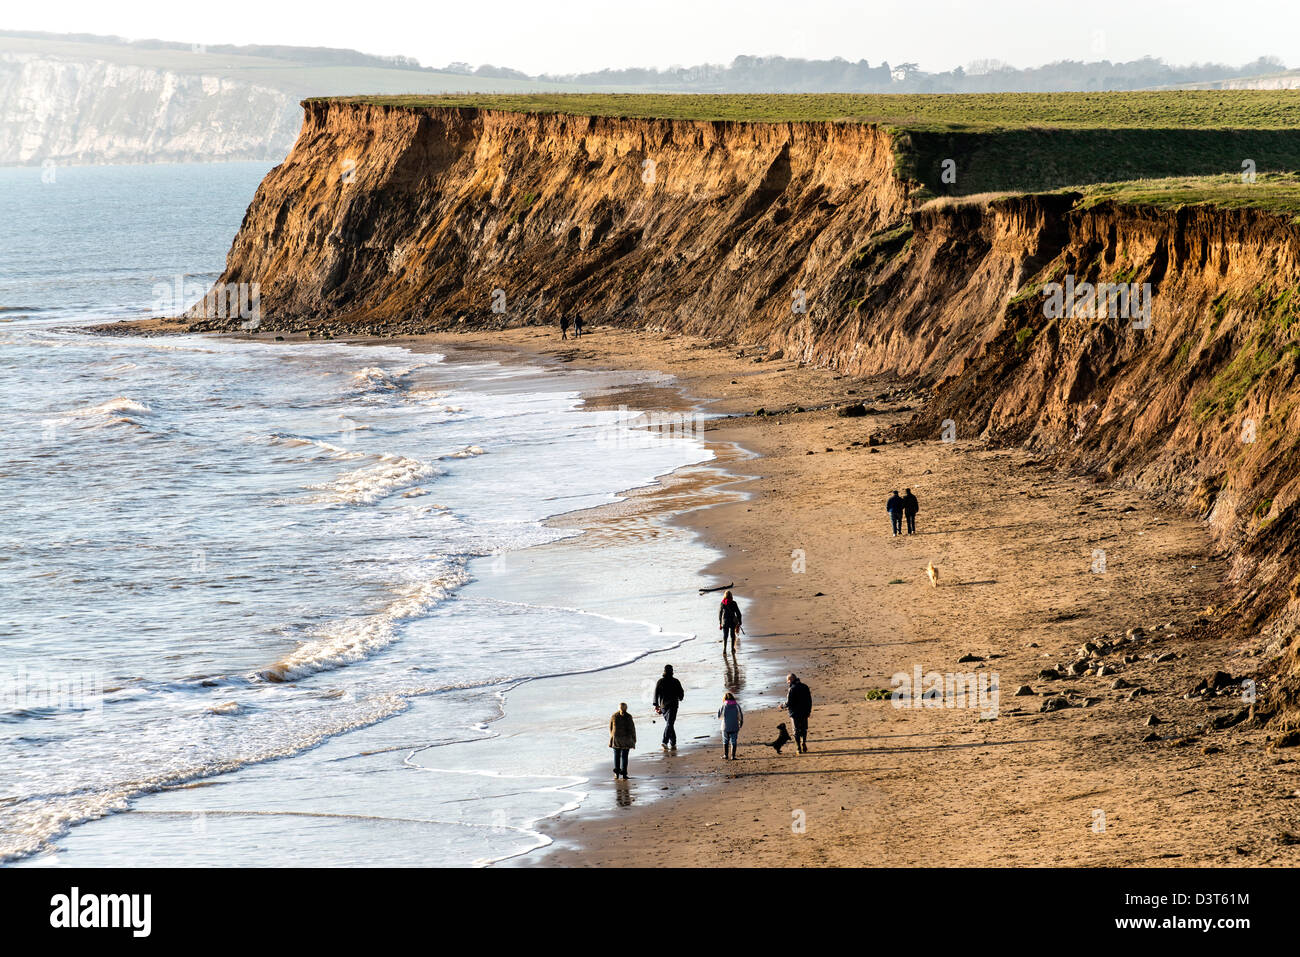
point(782, 738)
point(933, 574)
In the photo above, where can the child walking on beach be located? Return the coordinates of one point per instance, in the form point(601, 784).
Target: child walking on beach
point(622, 738)
point(732, 719)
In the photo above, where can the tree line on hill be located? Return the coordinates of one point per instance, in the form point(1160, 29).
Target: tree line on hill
point(776, 74)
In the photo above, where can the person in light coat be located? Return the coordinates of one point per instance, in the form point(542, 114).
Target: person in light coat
point(622, 738)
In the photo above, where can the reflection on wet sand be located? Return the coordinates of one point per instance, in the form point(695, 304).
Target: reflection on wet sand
point(639, 517)
point(735, 679)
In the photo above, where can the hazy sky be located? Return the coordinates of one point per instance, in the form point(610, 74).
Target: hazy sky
point(564, 36)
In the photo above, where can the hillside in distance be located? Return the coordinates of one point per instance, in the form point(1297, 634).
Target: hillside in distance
point(71, 100)
point(91, 99)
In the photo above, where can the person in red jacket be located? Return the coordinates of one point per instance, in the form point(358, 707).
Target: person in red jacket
point(729, 621)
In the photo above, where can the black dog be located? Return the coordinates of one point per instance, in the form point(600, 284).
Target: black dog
point(782, 738)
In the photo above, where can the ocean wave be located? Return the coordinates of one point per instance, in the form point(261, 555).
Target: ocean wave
point(468, 452)
point(118, 404)
point(365, 486)
point(118, 411)
point(373, 379)
point(431, 397)
point(301, 441)
point(354, 639)
point(28, 825)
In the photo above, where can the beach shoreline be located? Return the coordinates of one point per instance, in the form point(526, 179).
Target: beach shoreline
point(541, 717)
point(1115, 766)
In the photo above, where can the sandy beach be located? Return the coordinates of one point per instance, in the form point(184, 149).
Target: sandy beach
point(1033, 564)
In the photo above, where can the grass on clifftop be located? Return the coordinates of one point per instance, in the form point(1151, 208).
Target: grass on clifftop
point(1161, 109)
point(1277, 193)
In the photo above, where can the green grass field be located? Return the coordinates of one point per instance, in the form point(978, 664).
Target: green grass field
point(1172, 109)
point(1277, 193)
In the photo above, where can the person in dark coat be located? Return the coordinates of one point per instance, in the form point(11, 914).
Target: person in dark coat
point(729, 621)
point(622, 738)
point(564, 327)
point(798, 704)
point(910, 507)
point(895, 509)
point(668, 695)
point(577, 327)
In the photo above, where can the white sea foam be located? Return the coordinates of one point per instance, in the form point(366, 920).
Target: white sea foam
point(300, 442)
point(431, 398)
point(116, 406)
point(118, 411)
point(375, 379)
point(354, 639)
point(367, 485)
point(468, 452)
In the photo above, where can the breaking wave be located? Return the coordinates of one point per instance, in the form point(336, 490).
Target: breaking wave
point(353, 639)
point(365, 486)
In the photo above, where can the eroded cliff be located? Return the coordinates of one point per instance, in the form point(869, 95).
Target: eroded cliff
point(805, 238)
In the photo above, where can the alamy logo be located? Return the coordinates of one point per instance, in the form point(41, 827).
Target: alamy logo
point(231, 300)
point(75, 909)
point(1094, 301)
point(631, 429)
point(80, 692)
point(935, 690)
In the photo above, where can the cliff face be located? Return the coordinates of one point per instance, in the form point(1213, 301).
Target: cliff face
point(94, 111)
point(801, 237)
point(390, 215)
point(1197, 402)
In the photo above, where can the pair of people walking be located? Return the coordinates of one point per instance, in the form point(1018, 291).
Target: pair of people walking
point(564, 327)
point(900, 507)
point(669, 695)
point(622, 728)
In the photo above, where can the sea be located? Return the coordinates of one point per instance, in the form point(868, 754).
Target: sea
point(277, 603)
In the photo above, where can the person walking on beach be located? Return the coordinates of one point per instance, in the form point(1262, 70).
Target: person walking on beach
point(668, 695)
point(729, 621)
point(798, 704)
point(895, 509)
point(564, 327)
point(622, 738)
point(733, 719)
point(910, 507)
point(577, 327)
